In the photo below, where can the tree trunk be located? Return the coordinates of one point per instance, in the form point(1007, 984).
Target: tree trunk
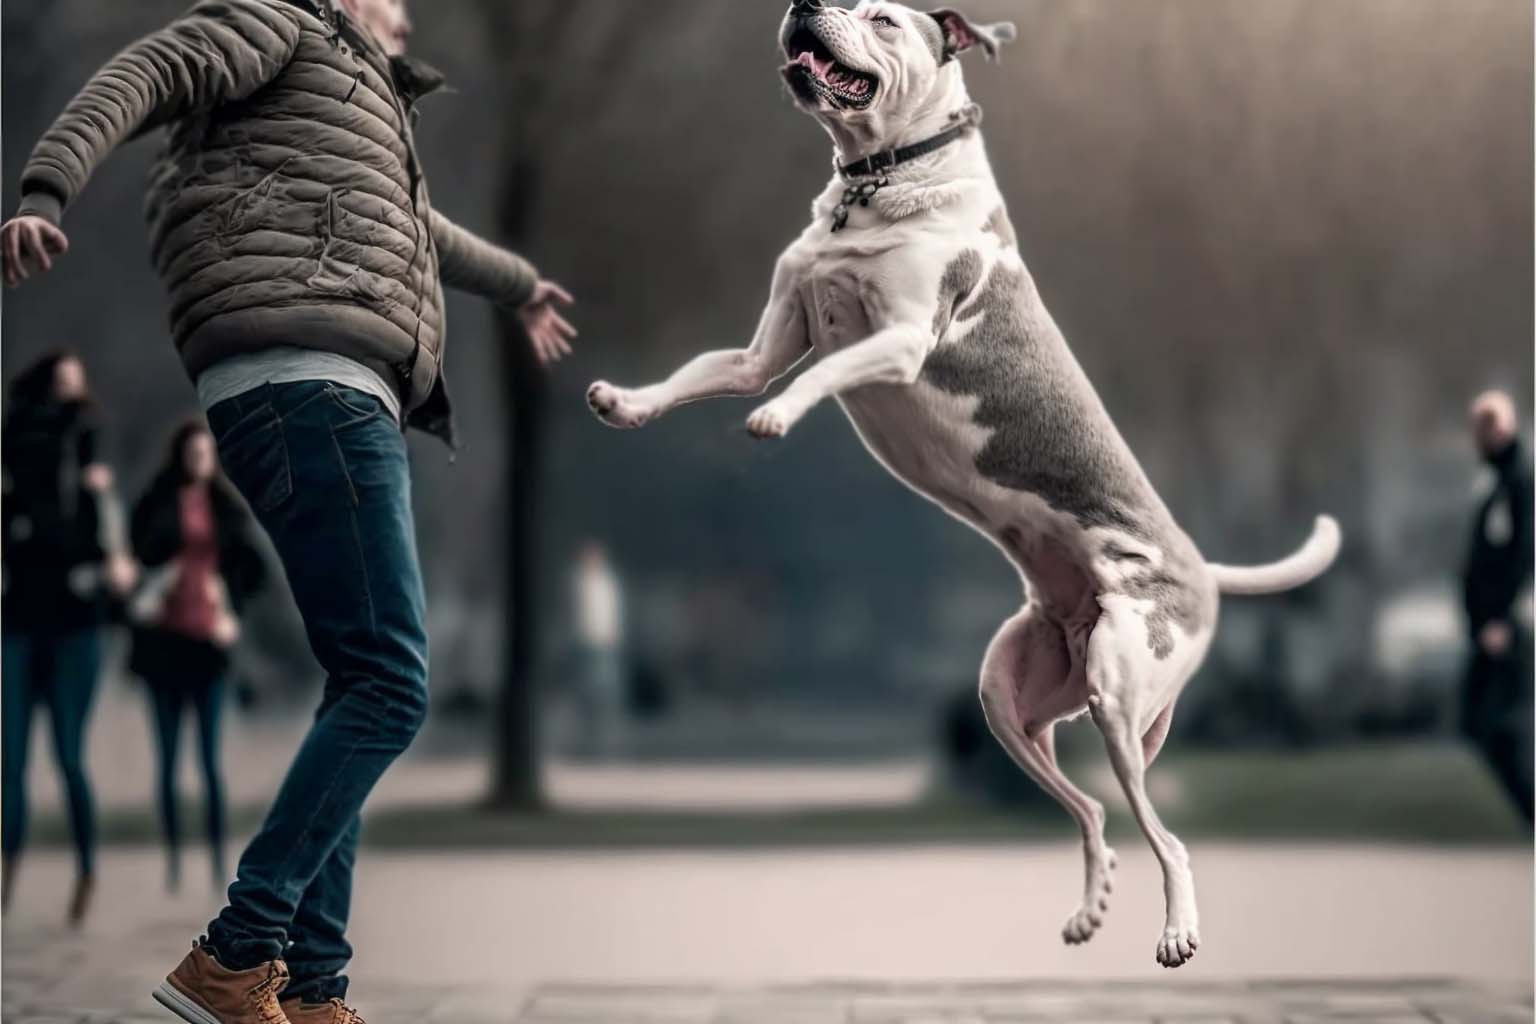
point(516, 782)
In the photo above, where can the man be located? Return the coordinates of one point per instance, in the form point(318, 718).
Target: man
point(1495, 703)
point(291, 224)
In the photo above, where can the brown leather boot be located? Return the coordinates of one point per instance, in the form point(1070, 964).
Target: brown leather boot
point(333, 1011)
point(202, 991)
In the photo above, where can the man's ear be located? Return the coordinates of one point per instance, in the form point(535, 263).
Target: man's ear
point(961, 33)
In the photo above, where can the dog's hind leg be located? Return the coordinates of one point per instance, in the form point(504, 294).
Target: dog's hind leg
point(1152, 740)
point(1098, 857)
point(1129, 696)
point(1027, 682)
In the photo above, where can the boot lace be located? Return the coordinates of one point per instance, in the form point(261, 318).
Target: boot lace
point(264, 995)
point(345, 1014)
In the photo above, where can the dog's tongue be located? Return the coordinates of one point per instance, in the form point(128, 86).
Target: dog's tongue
point(819, 68)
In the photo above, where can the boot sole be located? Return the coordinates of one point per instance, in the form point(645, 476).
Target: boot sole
point(169, 997)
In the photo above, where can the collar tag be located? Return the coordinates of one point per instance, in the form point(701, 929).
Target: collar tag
point(861, 194)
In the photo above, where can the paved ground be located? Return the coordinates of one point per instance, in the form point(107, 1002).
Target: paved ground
point(1292, 1002)
point(609, 937)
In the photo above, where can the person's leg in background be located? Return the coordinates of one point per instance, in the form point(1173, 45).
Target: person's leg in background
point(19, 703)
point(165, 701)
point(208, 699)
point(75, 669)
point(1508, 743)
point(325, 470)
point(1495, 718)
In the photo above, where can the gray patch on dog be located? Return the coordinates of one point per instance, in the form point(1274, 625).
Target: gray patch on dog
point(960, 279)
point(999, 225)
point(1050, 436)
point(1177, 596)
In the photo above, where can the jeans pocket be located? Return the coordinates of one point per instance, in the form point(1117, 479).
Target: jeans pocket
point(356, 407)
point(254, 453)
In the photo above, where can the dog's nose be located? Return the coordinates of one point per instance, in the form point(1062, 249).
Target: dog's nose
point(805, 8)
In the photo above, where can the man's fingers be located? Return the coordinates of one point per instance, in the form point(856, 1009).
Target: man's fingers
point(557, 346)
point(54, 238)
point(12, 241)
point(560, 294)
point(563, 326)
point(554, 345)
point(39, 242)
point(24, 253)
point(540, 349)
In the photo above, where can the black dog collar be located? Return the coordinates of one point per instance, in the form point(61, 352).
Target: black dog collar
point(878, 163)
point(881, 162)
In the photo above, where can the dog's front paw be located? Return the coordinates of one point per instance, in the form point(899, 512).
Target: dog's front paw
point(770, 421)
point(616, 406)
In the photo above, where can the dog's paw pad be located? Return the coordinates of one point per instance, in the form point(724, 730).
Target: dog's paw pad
point(613, 406)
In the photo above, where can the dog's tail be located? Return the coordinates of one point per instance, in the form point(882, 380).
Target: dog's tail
point(1309, 561)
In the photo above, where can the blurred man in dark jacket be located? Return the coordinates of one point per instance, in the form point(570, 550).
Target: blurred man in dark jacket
point(1496, 701)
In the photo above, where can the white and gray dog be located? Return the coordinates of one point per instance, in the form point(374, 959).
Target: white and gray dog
point(909, 286)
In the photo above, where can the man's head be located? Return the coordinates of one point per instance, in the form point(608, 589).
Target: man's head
point(385, 20)
point(881, 67)
point(1494, 423)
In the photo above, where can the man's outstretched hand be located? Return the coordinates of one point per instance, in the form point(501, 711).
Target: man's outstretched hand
point(550, 333)
point(28, 243)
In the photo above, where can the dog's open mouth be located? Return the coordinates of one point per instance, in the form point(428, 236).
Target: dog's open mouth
point(812, 73)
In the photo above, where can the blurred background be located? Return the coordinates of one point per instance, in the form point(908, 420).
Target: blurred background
point(1289, 241)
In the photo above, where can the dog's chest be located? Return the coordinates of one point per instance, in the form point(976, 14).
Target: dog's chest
point(837, 315)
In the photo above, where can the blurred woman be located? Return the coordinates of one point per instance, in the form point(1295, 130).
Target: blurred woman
point(193, 537)
point(64, 552)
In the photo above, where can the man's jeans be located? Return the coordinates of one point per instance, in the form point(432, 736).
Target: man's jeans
point(324, 468)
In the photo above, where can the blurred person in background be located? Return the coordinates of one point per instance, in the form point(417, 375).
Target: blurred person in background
point(599, 614)
point(64, 557)
point(1496, 700)
point(292, 227)
point(192, 536)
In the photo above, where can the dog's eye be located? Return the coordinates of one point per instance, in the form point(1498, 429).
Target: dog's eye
point(883, 21)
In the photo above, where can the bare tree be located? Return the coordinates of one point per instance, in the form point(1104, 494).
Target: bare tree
point(550, 70)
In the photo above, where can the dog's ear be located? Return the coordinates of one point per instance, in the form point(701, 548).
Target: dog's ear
point(961, 34)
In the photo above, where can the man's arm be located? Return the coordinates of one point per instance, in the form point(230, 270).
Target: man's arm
point(221, 50)
point(470, 263)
